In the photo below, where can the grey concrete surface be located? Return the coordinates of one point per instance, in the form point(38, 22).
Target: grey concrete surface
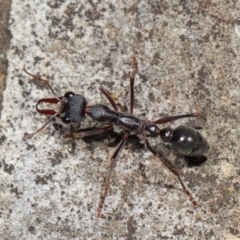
point(4, 44)
point(188, 53)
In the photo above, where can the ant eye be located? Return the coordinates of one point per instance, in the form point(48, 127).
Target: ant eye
point(69, 94)
point(66, 119)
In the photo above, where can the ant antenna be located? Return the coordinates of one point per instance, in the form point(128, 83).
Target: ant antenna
point(41, 80)
point(39, 129)
point(57, 98)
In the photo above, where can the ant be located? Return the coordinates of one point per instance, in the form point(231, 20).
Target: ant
point(183, 140)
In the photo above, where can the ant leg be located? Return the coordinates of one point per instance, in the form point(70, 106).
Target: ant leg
point(115, 102)
point(110, 96)
point(165, 162)
point(173, 118)
point(41, 80)
point(112, 166)
point(119, 103)
point(113, 99)
point(39, 129)
point(90, 132)
point(132, 78)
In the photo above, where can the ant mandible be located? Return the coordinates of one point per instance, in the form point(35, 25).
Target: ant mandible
point(182, 140)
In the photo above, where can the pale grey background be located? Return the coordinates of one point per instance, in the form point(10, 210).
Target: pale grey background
point(188, 53)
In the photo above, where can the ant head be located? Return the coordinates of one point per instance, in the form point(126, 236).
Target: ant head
point(73, 108)
point(166, 134)
point(64, 117)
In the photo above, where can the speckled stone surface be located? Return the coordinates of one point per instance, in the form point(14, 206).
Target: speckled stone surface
point(4, 44)
point(189, 61)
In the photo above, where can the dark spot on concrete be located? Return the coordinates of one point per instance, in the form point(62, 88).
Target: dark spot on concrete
point(56, 3)
point(20, 82)
point(156, 59)
point(210, 234)
point(68, 23)
point(2, 139)
point(108, 63)
point(31, 229)
point(58, 127)
point(234, 231)
point(15, 190)
point(43, 179)
point(131, 227)
point(179, 231)
point(7, 167)
point(143, 77)
point(37, 60)
point(151, 97)
point(182, 37)
point(158, 7)
point(72, 9)
point(142, 172)
point(93, 15)
point(118, 217)
point(57, 159)
point(30, 146)
point(48, 64)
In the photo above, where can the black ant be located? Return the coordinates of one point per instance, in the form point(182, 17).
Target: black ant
point(183, 140)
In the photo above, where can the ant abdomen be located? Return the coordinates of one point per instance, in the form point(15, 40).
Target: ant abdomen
point(185, 140)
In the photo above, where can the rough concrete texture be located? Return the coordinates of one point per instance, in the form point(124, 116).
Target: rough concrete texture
point(188, 53)
point(4, 44)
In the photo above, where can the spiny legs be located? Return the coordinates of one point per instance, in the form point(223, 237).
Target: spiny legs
point(108, 176)
point(167, 164)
